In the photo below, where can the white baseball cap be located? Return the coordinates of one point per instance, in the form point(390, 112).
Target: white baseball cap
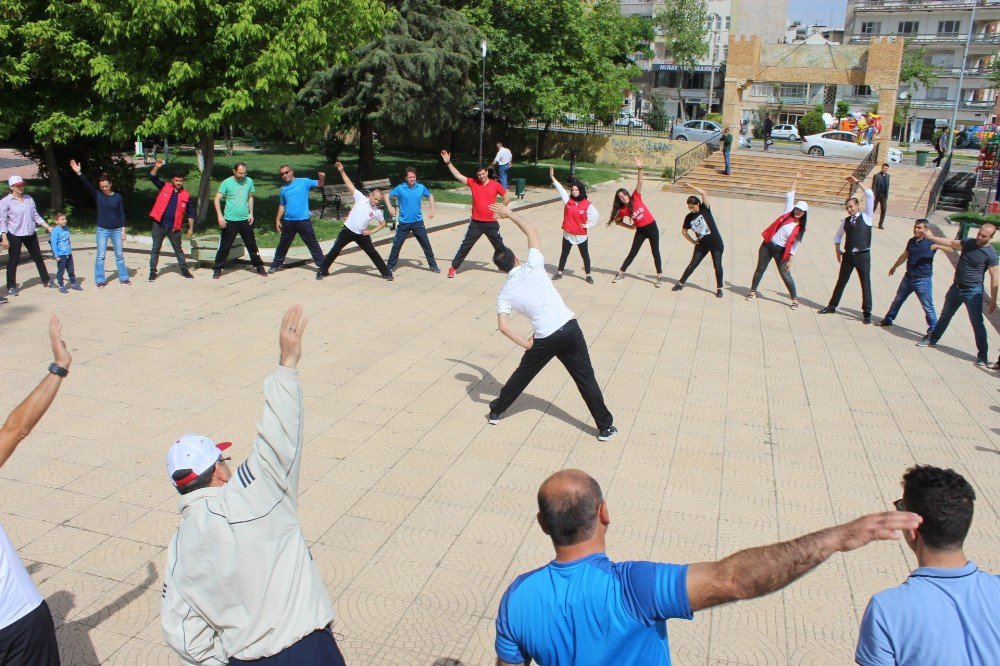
point(803, 206)
point(14, 180)
point(191, 456)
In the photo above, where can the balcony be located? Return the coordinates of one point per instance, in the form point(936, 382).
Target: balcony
point(950, 104)
point(955, 72)
point(639, 7)
point(944, 38)
point(986, 7)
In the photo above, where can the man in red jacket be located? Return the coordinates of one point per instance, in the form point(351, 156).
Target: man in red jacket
point(172, 205)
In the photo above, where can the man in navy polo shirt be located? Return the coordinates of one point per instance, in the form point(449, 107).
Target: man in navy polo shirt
point(293, 216)
point(919, 259)
point(947, 611)
point(582, 608)
point(411, 218)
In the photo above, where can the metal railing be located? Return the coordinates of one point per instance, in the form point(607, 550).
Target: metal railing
point(867, 164)
point(992, 38)
point(932, 199)
point(692, 158)
point(626, 125)
point(882, 5)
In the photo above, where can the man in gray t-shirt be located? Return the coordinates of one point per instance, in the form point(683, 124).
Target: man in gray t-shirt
point(978, 257)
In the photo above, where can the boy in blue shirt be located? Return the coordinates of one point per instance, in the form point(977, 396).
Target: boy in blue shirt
point(411, 218)
point(61, 250)
point(919, 259)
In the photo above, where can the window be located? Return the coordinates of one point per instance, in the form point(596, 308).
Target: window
point(871, 28)
point(948, 27)
point(862, 91)
point(761, 90)
point(794, 90)
point(937, 93)
point(908, 27)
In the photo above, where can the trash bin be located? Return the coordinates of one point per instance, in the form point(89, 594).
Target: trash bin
point(519, 184)
point(922, 157)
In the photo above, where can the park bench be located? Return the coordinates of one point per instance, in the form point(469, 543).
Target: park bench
point(385, 185)
point(149, 154)
point(333, 196)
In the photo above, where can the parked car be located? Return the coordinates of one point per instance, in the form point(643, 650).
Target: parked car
point(698, 130)
point(842, 144)
point(627, 120)
point(789, 132)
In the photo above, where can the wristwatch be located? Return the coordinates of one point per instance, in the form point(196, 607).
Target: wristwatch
point(58, 370)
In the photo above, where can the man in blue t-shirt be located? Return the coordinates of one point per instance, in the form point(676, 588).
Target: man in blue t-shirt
point(582, 608)
point(978, 258)
point(919, 259)
point(293, 216)
point(947, 611)
point(411, 218)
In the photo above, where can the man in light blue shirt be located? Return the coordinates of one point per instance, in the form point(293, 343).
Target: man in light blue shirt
point(583, 609)
point(411, 218)
point(293, 216)
point(947, 611)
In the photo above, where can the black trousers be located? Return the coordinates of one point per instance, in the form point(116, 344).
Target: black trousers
point(316, 649)
point(476, 229)
point(940, 152)
point(766, 253)
point(31, 641)
point(30, 243)
point(584, 252)
point(246, 232)
point(696, 257)
point(862, 263)
point(880, 201)
point(364, 242)
point(568, 345)
point(651, 233)
point(65, 265)
point(304, 229)
point(159, 233)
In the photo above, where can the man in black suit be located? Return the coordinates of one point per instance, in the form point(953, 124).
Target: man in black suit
point(880, 186)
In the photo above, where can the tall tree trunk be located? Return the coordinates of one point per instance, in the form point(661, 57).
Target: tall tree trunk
point(207, 146)
point(681, 116)
point(366, 150)
point(55, 182)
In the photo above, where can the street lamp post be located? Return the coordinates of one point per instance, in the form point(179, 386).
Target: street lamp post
point(961, 78)
point(713, 43)
point(482, 104)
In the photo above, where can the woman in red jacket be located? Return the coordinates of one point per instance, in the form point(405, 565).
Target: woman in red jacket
point(578, 216)
point(781, 240)
point(632, 207)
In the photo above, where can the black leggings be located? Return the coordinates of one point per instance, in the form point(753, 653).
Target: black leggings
point(767, 252)
point(697, 256)
point(584, 252)
point(651, 232)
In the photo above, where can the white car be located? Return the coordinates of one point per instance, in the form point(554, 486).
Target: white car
point(789, 132)
point(842, 144)
point(626, 120)
point(698, 130)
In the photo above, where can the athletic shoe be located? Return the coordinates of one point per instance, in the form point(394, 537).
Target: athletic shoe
point(885, 323)
point(100, 285)
point(152, 274)
point(261, 271)
point(128, 282)
point(216, 274)
point(12, 291)
point(3, 299)
point(828, 310)
point(867, 319)
point(389, 278)
point(63, 289)
point(618, 278)
point(51, 284)
point(186, 273)
point(319, 275)
point(589, 280)
point(451, 272)
point(926, 342)
point(982, 364)
point(718, 293)
point(493, 418)
point(273, 269)
point(659, 283)
point(607, 434)
point(676, 287)
point(557, 275)
point(75, 286)
point(435, 269)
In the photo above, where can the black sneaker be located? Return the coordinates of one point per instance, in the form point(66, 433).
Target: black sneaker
point(3, 299)
point(677, 287)
point(607, 434)
point(926, 342)
point(718, 293)
point(589, 280)
point(982, 364)
point(435, 269)
point(13, 291)
point(828, 310)
point(261, 271)
point(319, 275)
point(885, 323)
point(493, 418)
point(867, 319)
point(216, 274)
point(152, 275)
point(273, 269)
point(51, 284)
point(186, 273)
point(63, 289)
point(389, 278)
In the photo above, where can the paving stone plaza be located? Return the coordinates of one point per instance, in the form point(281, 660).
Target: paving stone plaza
point(741, 424)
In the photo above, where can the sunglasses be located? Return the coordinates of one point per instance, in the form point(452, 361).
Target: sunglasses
point(284, 173)
point(899, 505)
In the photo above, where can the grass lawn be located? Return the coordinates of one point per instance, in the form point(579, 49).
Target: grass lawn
point(263, 165)
point(978, 218)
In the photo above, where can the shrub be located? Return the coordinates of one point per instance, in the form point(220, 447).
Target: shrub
point(657, 118)
point(714, 117)
point(811, 123)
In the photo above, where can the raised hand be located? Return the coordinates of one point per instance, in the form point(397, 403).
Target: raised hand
point(500, 211)
point(59, 352)
point(293, 325)
point(552, 173)
point(875, 527)
point(446, 156)
point(75, 166)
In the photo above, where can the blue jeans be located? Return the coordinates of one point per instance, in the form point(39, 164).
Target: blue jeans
point(403, 230)
point(922, 288)
point(725, 156)
point(102, 247)
point(972, 298)
point(502, 170)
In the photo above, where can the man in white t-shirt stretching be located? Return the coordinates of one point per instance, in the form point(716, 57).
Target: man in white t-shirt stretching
point(529, 292)
point(366, 209)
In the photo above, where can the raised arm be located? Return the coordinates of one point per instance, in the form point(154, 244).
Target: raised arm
point(78, 170)
point(563, 194)
point(446, 156)
point(154, 178)
point(701, 193)
point(758, 571)
point(347, 180)
point(638, 178)
point(320, 178)
point(790, 194)
point(502, 211)
point(941, 240)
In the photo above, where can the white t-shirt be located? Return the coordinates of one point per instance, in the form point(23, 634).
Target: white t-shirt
point(504, 156)
point(362, 213)
point(781, 236)
point(18, 594)
point(528, 291)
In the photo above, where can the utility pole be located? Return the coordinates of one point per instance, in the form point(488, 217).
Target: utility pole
point(961, 78)
point(482, 105)
point(712, 45)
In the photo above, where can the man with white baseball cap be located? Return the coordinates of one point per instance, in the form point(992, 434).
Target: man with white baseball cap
point(240, 585)
point(18, 219)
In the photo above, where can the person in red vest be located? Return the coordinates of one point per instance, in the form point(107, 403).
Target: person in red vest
point(172, 205)
point(578, 216)
point(781, 240)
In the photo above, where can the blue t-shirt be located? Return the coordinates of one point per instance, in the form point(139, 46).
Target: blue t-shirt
point(592, 611)
point(938, 616)
point(295, 198)
point(919, 258)
point(409, 201)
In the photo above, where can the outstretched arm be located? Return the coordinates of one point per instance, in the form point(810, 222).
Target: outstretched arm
point(942, 241)
point(790, 194)
point(446, 156)
point(638, 178)
point(563, 194)
point(347, 180)
point(758, 571)
point(701, 193)
point(502, 211)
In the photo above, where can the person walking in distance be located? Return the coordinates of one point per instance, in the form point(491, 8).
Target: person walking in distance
point(293, 216)
point(173, 204)
point(579, 215)
point(940, 144)
point(528, 291)
point(856, 256)
point(484, 193)
point(919, 259)
point(503, 160)
point(706, 240)
point(27, 633)
point(355, 229)
point(111, 224)
point(240, 585)
point(781, 242)
point(727, 147)
point(409, 195)
point(977, 259)
point(237, 190)
point(766, 131)
point(18, 219)
point(631, 206)
point(880, 186)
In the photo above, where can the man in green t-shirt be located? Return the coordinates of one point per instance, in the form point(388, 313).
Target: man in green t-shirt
point(237, 190)
point(727, 147)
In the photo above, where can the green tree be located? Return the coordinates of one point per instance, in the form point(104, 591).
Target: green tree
point(684, 26)
point(842, 109)
point(915, 69)
point(657, 117)
point(812, 122)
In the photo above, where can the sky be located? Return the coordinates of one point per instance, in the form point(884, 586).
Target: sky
point(818, 11)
